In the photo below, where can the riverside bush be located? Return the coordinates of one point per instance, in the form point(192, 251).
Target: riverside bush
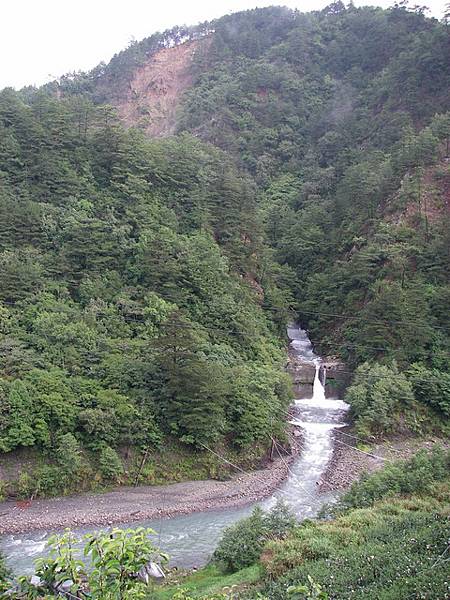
point(404, 477)
point(431, 387)
point(116, 558)
point(242, 543)
point(4, 574)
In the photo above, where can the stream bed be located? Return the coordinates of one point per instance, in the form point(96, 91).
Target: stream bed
point(191, 539)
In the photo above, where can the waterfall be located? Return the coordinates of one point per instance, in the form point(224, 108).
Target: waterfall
point(318, 389)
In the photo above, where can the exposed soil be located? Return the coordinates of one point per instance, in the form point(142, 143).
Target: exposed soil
point(432, 199)
point(155, 91)
point(147, 502)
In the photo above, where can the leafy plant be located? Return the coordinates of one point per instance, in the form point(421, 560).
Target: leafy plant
point(111, 569)
point(242, 543)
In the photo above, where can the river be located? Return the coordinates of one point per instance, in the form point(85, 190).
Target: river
point(191, 539)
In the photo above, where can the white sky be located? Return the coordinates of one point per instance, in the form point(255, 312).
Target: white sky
point(43, 39)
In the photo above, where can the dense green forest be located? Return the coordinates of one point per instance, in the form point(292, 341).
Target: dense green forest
point(146, 283)
point(128, 310)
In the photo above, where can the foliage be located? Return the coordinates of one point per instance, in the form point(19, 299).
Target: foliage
point(431, 387)
point(112, 561)
point(111, 466)
point(392, 550)
point(4, 575)
point(313, 591)
point(145, 283)
point(384, 400)
point(388, 538)
point(379, 396)
point(125, 314)
point(416, 475)
point(242, 543)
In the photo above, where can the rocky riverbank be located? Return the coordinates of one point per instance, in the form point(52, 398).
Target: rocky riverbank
point(351, 459)
point(147, 502)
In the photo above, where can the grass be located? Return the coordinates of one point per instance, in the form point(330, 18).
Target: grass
point(208, 581)
point(392, 551)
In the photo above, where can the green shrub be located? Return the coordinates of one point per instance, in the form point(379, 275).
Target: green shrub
point(378, 397)
point(110, 569)
point(431, 387)
point(3, 490)
point(415, 475)
point(391, 561)
point(4, 574)
point(111, 466)
point(68, 455)
point(49, 480)
point(242, 543)
point(26, 486)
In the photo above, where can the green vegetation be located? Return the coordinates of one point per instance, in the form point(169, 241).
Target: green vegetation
point(126, 315)
point(384, 400)
point(4, 575)
point(111, 565)
point(388, 539)
point(392, 550)
point(346, 132)
point(146, 283)
point(242, 543)
point(414, 476)
point(209, 582)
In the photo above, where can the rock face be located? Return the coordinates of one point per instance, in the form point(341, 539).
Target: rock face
point(303, 374)
point(154, 93)
point(337, 378)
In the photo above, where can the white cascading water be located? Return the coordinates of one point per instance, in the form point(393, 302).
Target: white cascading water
point(191, 539)
point(318, 389)
point(317, 417)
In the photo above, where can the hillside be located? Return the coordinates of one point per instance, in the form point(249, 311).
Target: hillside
point(162, 219)
point(156, 90)
point(126, 316)
point(340, 117)
point(146, 282)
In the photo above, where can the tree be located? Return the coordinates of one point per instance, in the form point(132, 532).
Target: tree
point(379, 399)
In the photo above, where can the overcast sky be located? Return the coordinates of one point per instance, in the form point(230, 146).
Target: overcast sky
point(43, 39)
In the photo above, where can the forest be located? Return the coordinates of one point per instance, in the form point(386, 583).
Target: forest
point(146, 283)
point(129, 312)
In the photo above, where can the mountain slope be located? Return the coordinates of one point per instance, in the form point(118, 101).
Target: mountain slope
point(146, 282)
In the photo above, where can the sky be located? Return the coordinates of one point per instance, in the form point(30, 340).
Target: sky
point(43, 39)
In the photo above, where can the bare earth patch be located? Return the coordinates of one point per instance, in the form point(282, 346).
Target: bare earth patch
point(154, 93)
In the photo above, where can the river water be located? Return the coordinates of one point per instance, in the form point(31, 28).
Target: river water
point(191, 539)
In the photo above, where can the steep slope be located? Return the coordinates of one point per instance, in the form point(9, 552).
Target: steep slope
point(126, 322)
point(155, 92)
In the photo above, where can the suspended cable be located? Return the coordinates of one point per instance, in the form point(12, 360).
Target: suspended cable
point(252, 473)
point(355, 437)
point(363, 451)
